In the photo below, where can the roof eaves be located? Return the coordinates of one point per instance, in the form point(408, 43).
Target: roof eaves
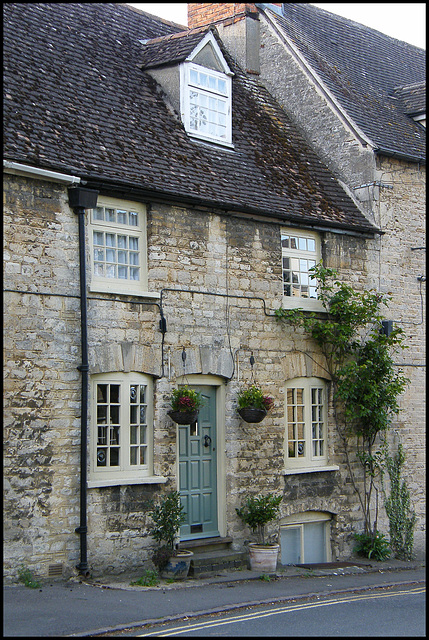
point(164, 195)
point(316, 79)
point(391, 153)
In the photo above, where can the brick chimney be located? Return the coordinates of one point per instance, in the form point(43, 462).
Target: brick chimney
point(201, 14)
point(238, 26)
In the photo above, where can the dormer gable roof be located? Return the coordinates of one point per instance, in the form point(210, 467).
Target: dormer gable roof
point(180, 47)
point(413, 97)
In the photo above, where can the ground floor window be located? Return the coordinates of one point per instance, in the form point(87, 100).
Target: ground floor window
point(121, 425)
point(306, 423)
point(305, 538)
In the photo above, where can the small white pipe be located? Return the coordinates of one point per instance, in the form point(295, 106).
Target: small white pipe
point(43, 173)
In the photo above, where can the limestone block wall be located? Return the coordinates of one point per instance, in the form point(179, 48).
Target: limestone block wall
point(41, 382)
point(192, 254)
point(402, 272)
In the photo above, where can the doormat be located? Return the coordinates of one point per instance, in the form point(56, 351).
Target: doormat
point(331, 565)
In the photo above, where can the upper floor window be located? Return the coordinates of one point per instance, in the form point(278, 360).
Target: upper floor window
point(206, 103)
point(121, 427)
point(306, 423)
point(300, 252)
point(118, 246)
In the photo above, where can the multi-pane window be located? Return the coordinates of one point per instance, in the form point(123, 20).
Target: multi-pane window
point(207, 103)
point(306, 422)
point(300, 252)
point(299, 255)
point(118, 245)
point(121, 424)
point(116, 255)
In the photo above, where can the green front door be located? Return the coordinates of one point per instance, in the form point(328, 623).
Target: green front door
point(197, 470)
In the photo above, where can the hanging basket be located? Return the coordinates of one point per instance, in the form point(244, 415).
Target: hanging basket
point(183, 417)
point(252, 415)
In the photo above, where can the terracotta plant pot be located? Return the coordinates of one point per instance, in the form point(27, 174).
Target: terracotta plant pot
point(263, 557)
point(178, 566)
point(252, 415)
point(183, 417)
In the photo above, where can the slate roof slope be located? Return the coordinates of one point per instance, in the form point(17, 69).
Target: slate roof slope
point(76, 100)
point(361, 67)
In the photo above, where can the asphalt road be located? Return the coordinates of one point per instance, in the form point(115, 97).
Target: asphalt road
point(73, 608)
point(385, 612)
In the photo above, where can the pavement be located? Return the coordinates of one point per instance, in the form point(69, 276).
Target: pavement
point(102, 606)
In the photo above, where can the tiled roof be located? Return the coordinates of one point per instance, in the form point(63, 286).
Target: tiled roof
point(361, 67)
point(76, 100)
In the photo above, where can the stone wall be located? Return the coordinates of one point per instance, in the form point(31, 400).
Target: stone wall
point(235, 258)
point(342, 147)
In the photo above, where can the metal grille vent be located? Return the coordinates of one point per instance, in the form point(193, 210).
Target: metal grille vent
point(55, 570)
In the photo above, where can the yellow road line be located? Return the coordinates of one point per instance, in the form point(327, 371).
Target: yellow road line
point(286, 609)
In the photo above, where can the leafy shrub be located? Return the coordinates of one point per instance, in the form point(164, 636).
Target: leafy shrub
point(167, 516)
point(371, 545)
point(257, 512)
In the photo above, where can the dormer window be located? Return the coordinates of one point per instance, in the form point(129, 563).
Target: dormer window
point(207, 103)
point(421, 119)
point(206, 93)
point(204, 98)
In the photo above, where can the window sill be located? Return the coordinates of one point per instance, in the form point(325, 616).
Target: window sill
point(290, 472)
point(135, 293)
point(115, 482)
point(213, 142)
point(301, 303)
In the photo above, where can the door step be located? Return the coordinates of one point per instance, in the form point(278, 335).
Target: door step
point(213, 555)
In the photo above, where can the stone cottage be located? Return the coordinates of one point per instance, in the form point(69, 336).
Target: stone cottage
point(159, 205)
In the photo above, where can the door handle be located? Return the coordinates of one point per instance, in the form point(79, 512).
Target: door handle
point(207, 441)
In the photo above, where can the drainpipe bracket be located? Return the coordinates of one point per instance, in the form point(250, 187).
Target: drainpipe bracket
point(81, 529)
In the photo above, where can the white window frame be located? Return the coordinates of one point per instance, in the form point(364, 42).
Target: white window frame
point(124, 472)
point(308, 461)
point(187, 71)
point(420, 119)
point(118, 285)
point(301, 256)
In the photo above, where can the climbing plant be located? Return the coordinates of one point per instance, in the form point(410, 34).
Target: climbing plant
point(402, 517)
point(358, 357)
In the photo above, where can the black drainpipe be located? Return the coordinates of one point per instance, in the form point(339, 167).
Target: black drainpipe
point(80, 199)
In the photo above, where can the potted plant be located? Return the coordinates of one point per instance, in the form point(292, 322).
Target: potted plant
point(253, 405)
point(167, 517)
point(185, 404)
point(256, 513)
